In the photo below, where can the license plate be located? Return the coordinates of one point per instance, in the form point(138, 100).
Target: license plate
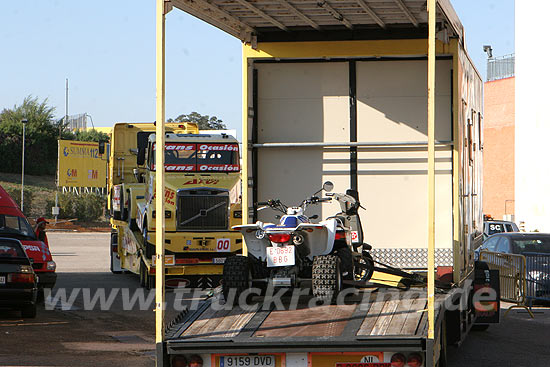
point(2, 280)
point(218, 260)
point(280, 256)
point(247, 361)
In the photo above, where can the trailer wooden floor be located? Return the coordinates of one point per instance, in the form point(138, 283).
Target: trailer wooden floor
point(370, 314)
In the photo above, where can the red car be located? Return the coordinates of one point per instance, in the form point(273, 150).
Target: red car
point(13, 224)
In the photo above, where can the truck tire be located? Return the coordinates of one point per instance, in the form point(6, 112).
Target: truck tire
point(114, 239)
point(29, 311)
point(236, 275)
point(326, 277)
point(142, 274)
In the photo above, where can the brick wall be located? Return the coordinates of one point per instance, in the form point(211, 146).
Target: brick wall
point(498, 152)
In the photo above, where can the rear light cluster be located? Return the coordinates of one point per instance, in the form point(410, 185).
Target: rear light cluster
point(413, 360)
point(182, 361)
point(279, 237)
point(21, 278)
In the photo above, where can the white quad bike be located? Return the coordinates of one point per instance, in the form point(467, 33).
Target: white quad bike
point(297, 252)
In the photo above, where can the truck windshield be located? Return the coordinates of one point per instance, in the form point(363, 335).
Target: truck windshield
point(199, 157)
point(13, 225)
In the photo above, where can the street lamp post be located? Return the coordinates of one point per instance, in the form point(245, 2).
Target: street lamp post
point(24, 122)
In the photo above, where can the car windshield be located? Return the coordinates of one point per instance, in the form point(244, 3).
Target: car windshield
point(199, 157)
point(14, 225)
point(10, 249)
point(541, 244)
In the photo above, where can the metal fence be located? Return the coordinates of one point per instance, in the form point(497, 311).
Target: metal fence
point(537, 277)
point(501, 67)
point(512, 271)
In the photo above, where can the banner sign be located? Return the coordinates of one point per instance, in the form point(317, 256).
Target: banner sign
point(80, 164)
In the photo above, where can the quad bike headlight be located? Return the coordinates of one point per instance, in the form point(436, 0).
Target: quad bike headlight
point(298, 239)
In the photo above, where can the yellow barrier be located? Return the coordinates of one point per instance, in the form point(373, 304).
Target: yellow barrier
point(513, 282)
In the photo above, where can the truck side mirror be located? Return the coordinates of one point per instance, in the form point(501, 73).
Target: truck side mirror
point(101, 147)
point(141, 157)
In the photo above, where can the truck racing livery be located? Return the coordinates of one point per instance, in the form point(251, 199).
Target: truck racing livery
point(201, 196)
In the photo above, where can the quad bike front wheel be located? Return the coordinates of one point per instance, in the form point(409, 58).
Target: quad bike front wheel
point(236, 277)
point(326, 277)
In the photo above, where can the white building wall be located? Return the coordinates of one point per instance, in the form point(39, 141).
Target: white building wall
point(532, 147)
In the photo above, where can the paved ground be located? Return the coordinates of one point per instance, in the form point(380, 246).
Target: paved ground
point(69, 335)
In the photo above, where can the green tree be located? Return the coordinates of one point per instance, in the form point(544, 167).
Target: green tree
point(205, 122)
point(91, 135)
point(41, 136)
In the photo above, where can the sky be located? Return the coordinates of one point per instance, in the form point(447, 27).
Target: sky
point(107, 51)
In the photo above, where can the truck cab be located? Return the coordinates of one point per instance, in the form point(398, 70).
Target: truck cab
point(202, 202)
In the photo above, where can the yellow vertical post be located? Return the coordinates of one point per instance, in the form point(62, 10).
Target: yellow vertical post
point(245, 153)
point(159, 189)
point(431, 166)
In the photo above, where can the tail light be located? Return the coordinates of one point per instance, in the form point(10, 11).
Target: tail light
point(195, 361)
point(414, 360)
point(279, 237)
point(398, 360)
point(21, 278)
point(340, 235)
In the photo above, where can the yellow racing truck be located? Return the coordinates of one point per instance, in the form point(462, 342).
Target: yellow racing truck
point(202, 201)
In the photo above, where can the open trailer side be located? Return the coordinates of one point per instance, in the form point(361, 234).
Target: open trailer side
point(338, 92)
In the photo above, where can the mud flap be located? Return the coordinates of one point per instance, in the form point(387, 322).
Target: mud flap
point(486, 295)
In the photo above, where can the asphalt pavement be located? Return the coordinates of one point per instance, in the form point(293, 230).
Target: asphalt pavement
point(99, 326)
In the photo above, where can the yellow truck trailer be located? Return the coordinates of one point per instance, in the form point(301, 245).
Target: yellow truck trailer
point(201, 196)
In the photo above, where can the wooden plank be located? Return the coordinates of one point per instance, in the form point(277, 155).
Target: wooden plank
point(199, 323)
point(386, 316)
point(329, 320)
point(207, 329)
point(377, 303)
point(241, 319)
point(416, 312)
point(400, 316)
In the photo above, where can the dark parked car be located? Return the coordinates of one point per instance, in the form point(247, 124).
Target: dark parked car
point(18, 282)
point(527, 244)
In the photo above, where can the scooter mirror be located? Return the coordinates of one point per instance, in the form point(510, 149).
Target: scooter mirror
point(328, 186)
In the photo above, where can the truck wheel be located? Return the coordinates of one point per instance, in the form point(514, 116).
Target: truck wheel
point(327, 278)
point(236, 275)
point(114, 268)
point(29, 311)
point(142, 274)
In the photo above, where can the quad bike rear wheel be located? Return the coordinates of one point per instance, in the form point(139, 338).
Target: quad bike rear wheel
point(326, 277)
point(236, 276)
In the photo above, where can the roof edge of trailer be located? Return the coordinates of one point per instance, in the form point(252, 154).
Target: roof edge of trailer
point(254, 21)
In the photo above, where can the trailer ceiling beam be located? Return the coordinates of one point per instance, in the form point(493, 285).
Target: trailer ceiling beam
point(262, 14)
point(218, 17)
point(371, 12)
point(325, 5)
point(407, 12)
point(300, 14)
